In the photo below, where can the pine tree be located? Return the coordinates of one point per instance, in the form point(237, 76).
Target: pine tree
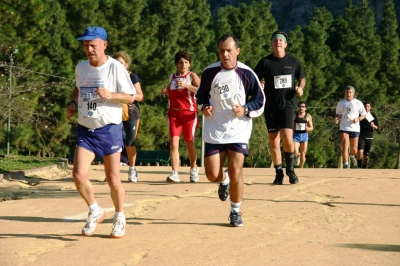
point(252, 25)
point(360, 52)
point(389, 74)
point(318, 57)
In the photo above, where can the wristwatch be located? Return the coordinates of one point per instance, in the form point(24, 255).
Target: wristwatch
point(246, 109)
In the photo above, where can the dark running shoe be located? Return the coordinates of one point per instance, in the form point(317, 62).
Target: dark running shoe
point(235, 219)
point(223, 190)
point(292, 177)
point(278, 177)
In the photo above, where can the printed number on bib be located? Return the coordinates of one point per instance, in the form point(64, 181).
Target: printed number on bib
point(92, 106)
point(224, 91)
point(301, 126)
point(283, 82)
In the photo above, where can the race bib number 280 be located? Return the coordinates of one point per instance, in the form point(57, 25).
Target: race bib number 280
point(283, 81)
point(223, 91)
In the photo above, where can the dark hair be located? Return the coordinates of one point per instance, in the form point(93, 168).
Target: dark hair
point(182, 54)
point(302, 103)
point(367, 102)
point(229, 35)
point(280, 32)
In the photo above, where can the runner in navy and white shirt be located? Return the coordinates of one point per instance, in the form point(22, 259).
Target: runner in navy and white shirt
point(230, 95)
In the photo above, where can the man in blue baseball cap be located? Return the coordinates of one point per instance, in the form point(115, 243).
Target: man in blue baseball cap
point(92, 33)
point(102, 86)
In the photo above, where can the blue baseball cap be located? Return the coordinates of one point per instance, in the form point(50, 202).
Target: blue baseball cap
point(92, 33)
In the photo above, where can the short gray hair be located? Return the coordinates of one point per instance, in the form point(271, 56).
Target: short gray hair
point(350, 88)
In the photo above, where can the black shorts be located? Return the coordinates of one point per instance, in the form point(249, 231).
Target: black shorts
point(276, 119)
point(365, 144)
point(130, 132)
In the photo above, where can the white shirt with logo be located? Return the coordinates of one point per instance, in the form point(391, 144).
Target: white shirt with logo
point(222, 88)
point(350, 110)
point(96, 112)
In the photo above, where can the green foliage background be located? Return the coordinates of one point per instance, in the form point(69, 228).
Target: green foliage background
point(350, 49)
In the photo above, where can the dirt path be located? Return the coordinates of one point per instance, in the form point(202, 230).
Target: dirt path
point(332, 217)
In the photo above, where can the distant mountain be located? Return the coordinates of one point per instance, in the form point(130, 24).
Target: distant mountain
point(289, 13)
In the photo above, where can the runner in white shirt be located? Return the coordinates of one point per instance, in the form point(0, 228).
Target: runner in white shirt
point(102, 85)
point(229, 95)
point(349, 112)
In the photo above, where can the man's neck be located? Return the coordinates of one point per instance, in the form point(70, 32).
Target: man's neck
point(99, 62)
point(279, 54)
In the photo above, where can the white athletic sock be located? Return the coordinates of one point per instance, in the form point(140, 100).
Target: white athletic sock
point(235, 206)
point(119, 214)
point(226, 180)
point(94, 207)
point(174, 172)
point(131, 168)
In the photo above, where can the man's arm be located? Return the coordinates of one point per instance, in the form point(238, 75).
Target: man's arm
point(203, 92)
point(73, 104)
point(117, 96)
point(300, 87)
point(256, 102)
point(309, 124)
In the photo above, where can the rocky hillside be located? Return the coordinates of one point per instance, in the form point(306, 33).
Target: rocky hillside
point(289, 13)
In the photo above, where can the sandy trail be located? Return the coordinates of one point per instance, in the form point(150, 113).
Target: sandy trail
point(332, 217)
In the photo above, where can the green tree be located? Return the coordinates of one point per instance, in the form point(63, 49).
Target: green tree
point(360, 52)
point(389, 73)
point(252, 25)
point(319, 57)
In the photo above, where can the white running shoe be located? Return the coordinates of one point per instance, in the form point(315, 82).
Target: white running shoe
point(132, 175)
point(118, 229)
point(91, 223)
point(353, 160)
point(194, 175)
point(173, 178)
point(297, 161)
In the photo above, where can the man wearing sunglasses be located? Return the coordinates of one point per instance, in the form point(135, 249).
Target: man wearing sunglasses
point(302, 124)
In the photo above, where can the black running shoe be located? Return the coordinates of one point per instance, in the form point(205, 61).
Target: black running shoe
point(278, 177)
point(223, 191)
point(292, 177)
point(235, 219)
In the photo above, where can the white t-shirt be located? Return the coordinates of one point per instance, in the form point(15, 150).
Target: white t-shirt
point(95, 112)
point(222, 88)
point(350, 110)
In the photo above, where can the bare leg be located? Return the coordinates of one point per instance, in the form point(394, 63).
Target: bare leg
point(345, 146)
point(191, 149)
point(353, 146)
point(296, 149)
point(82, 161)
point(174, 151)
point(235, 171)
point(275, 147)
point(213, 167)
point(111, 168)
point(287, 139)
point(303, 151)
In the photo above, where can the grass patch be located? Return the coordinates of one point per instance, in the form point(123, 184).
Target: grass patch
point(15, 163)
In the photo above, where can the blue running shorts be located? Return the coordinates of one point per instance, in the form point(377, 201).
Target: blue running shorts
point(101, 141)
point(300, 137)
